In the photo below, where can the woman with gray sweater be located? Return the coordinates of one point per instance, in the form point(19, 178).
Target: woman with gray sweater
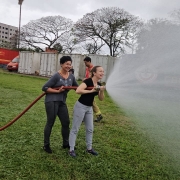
point(55, 102)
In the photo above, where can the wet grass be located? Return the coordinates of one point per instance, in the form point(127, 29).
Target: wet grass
point(124, 151)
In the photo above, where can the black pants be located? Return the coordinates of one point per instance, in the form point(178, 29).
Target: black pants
point(53, 109)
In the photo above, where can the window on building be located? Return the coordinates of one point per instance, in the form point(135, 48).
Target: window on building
point(6, 28)
point(3, 27)
point(5, 37)
point(6, 33)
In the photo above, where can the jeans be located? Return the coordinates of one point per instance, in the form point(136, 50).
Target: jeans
point(53, 109)
point(82, 112)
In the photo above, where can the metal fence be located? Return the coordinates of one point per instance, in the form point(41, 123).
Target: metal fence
point(47, 63)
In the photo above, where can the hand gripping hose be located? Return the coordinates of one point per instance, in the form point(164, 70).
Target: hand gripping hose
point(37, 99)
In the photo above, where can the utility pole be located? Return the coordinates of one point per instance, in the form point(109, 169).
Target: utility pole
point(19, 30)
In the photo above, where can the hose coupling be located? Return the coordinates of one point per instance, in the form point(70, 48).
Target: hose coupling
point(97, 87)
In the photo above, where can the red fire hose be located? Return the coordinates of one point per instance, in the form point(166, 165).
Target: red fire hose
point(39, 97)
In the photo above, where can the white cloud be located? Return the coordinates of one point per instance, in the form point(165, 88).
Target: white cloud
point(35, 9)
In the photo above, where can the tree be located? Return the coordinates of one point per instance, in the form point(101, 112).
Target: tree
point(157, 36)
point(58, 47)
point(114, 26)
point(5, 44)
point(45, 32)
point(11, 43)
point(175, 15)
point(93, 46)
point(68, 42)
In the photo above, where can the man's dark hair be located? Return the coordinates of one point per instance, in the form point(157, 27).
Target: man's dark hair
point(71, 71)
point(87, 59)
point(65, 59)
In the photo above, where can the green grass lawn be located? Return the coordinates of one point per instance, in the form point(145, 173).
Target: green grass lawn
point(124, 151)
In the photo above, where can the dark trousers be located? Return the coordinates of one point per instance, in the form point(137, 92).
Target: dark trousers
point(53, 109)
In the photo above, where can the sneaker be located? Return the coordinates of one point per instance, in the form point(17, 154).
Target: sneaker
point(99, 118)
point(92, 151)
point(72, 153)
point(47, 149)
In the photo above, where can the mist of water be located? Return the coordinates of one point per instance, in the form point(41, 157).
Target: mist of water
point(147, 86)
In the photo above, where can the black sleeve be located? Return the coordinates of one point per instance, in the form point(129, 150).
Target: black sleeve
point(86, 81)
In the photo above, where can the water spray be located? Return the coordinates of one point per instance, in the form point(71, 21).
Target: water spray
point(146, 85)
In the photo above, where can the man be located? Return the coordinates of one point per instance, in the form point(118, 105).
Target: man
point(71, 70)
point(89, 66)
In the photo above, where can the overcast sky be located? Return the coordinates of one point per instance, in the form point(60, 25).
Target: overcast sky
point(75, 9)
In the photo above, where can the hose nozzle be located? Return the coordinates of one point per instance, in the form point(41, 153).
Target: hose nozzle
point(97, 87)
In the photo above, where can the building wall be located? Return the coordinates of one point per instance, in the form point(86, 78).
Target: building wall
point(8, 33)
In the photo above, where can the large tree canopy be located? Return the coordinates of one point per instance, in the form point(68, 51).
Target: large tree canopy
point(114, 26)
point(157, 36)
point(93, 45)
point(175, 15)
point(45, 32)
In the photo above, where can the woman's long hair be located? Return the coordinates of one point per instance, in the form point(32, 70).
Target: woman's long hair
point(93, 70)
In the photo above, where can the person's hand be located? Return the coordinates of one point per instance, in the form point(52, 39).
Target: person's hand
point(61, 89)
point(102, 88)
